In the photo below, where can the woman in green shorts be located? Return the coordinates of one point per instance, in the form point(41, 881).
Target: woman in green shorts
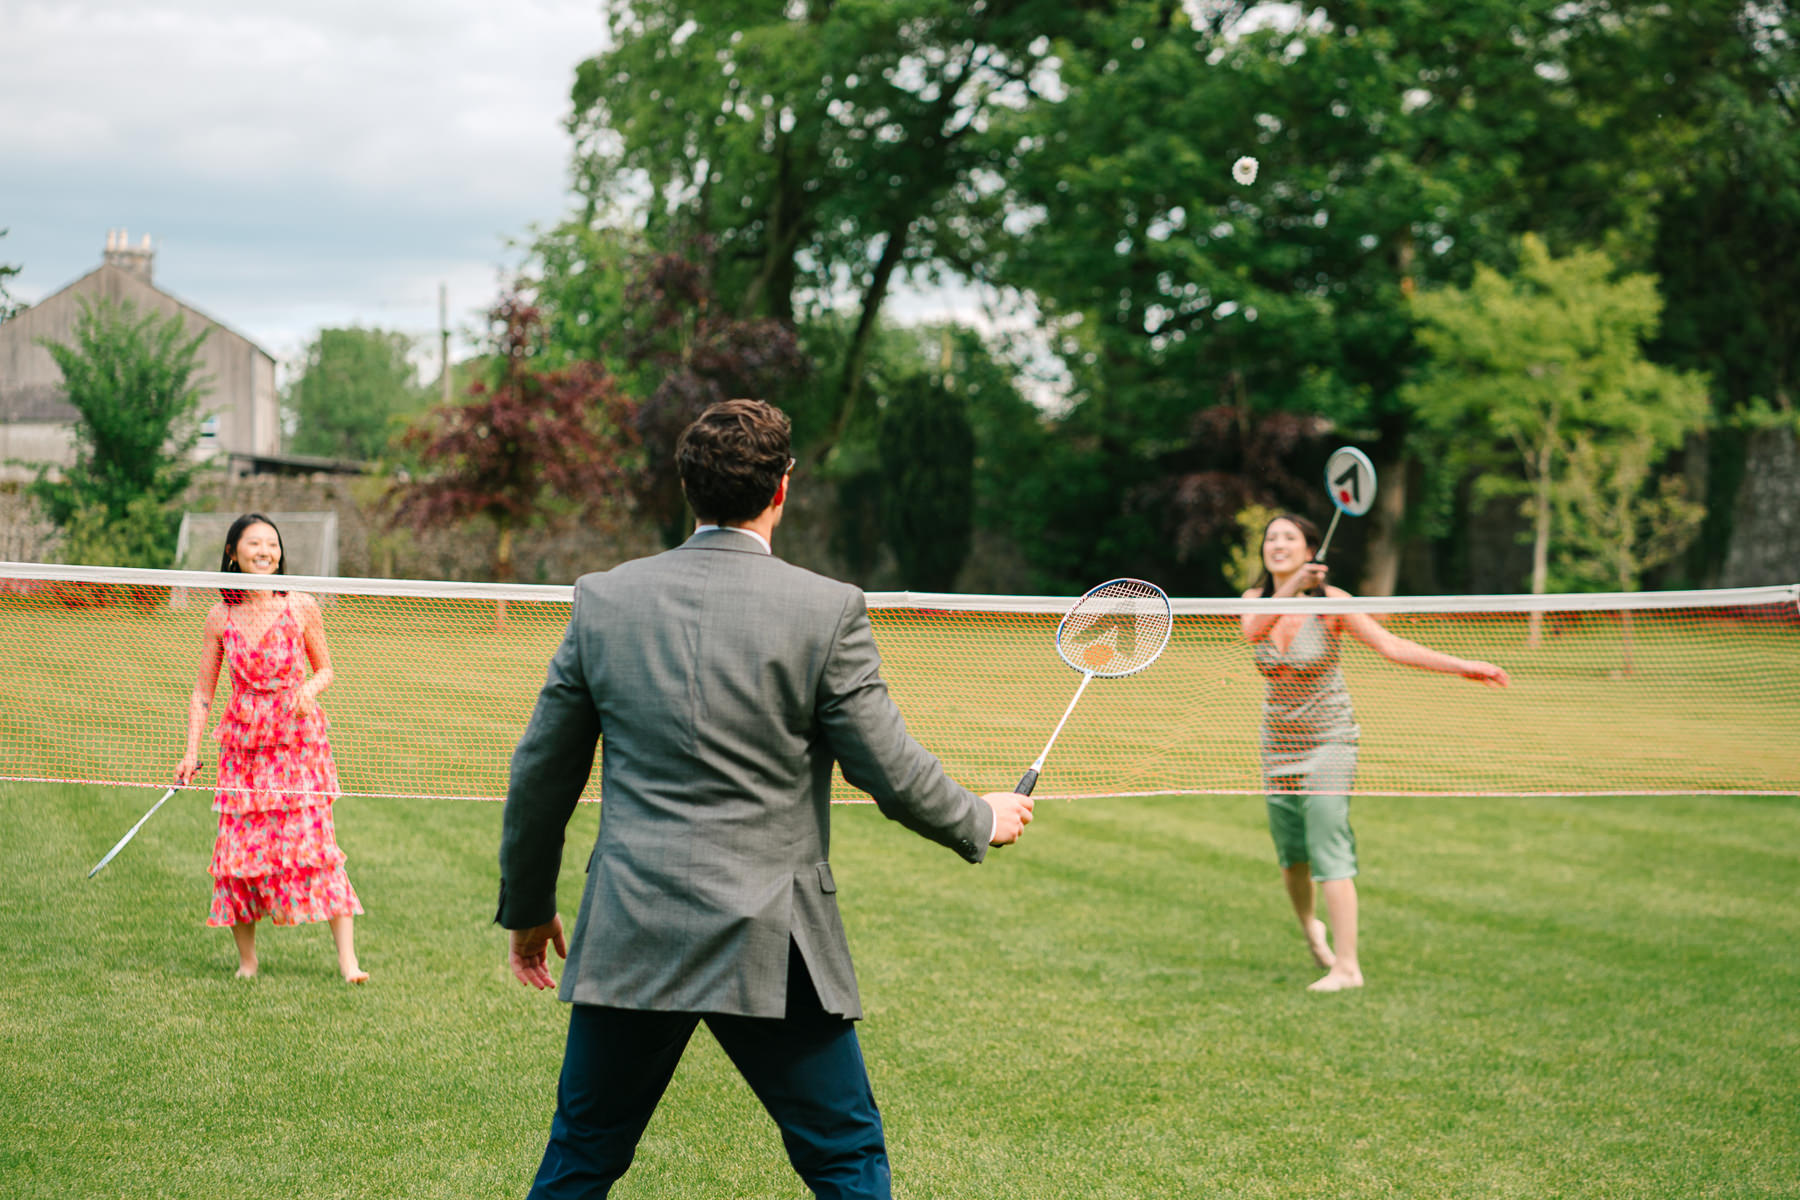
point(1309, 736)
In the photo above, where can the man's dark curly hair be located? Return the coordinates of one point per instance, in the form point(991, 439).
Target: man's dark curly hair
point(732, 459)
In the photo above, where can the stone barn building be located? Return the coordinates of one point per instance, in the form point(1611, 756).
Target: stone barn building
point(242, 418)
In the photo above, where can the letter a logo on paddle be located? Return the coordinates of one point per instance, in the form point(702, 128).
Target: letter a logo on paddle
point(1350, 478)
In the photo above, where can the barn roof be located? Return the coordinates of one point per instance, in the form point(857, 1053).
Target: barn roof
point(125, 281)
point(44, 400)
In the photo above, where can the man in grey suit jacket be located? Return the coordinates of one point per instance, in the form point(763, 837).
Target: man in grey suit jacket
point(726, 683)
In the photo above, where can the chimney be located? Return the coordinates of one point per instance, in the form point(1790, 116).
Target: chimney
point(120, 254)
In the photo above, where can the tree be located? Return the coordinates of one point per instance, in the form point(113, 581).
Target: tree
point(579, 276)
point(928, 476)
point(534, 446)
point(131, 381)
point(1533, 362)
point(355, 389)
point(826, 148)
point(1617, 520)
point(1239, 460)
point(1244, 562)
point(1010, 431)
point(7, 270)
point(1399, 144)
point(1008, 446)
point(1727, 233)
point(687, 352)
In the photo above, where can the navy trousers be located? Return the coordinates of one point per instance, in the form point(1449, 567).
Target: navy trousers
point(806, 1068)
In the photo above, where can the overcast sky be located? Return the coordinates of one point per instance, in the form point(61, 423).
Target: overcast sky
point(296, 164)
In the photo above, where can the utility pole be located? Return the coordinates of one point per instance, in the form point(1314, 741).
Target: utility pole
point(444, 340)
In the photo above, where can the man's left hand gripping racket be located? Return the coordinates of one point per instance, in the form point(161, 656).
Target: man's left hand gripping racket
point(1116, 629)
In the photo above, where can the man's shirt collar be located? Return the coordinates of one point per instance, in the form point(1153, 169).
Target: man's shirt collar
point(751, 533)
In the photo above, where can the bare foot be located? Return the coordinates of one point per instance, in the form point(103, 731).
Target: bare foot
point(1339, 980)
point(246, 971)
point(356, 975)
point(1315, 941)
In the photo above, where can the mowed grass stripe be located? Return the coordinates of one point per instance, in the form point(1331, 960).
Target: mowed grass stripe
point(1567, 997)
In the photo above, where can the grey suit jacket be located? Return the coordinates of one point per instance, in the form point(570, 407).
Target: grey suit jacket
point(726, 683)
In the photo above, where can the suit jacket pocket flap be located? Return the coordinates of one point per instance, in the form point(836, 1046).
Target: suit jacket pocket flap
point(826, 882)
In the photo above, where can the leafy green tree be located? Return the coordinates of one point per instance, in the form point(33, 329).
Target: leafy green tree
point(1617, 520)
point(1727, 227)
point(652, 318)
point(7, 270)
point(141, 536)
point(1080, 153)
point(928, 474)
point(1244, 564)
point(1546, 359)
point(1010, 448)
point(1399, 143)
point(131, 381)
point(579, 275)
point(827, 147)
point(355, 390)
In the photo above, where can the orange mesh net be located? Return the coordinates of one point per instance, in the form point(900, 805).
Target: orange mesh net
point(1674, 693)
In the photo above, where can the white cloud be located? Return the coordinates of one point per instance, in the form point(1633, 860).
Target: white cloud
point(299, 164)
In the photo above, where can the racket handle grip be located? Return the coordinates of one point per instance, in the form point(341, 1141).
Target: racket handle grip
point(1027, 781)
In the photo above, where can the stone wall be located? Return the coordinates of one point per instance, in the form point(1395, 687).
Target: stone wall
point(369, 547)
point(24, 535)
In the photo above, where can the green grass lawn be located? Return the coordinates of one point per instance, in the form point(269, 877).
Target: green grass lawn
point(1593, 998)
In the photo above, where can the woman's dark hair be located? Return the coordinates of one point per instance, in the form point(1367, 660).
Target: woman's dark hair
point(1265, 586)
point(732, 458)
point(228, 560)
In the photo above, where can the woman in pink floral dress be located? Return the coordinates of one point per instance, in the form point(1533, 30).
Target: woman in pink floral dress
point(277, 853)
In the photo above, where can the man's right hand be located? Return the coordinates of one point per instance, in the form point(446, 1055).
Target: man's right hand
point(529, 955)
point(1012, 813)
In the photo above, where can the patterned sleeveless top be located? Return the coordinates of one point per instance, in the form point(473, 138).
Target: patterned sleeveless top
point(265, 679)
point(1305, 703)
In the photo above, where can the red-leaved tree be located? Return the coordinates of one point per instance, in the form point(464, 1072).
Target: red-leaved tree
point(692, 353)
point(536, 446)
point(1237, 457)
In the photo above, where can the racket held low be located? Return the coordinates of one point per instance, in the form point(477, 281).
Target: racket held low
point(1116, 629)
point(1030, 778)
point(130, 833)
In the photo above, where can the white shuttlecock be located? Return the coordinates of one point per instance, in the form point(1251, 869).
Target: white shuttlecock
point(1244, 170)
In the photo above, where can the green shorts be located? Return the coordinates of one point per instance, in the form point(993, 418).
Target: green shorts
point(1315, 829)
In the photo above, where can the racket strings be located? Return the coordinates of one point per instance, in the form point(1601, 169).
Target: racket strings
point(1116, 629)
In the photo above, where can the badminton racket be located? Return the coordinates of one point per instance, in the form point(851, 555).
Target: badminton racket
point(1350, 482)
point(1114, 630)
point(130, 833)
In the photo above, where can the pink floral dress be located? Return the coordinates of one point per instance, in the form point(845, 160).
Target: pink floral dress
point(277, 852)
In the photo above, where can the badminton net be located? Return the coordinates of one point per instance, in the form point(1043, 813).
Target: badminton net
point(1640, 693)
